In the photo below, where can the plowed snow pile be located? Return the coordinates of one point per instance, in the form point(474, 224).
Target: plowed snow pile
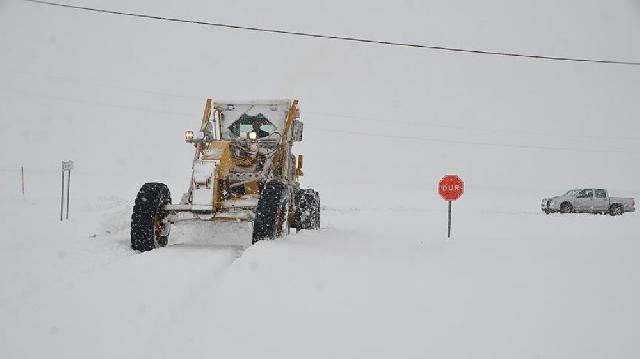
point(382, 126)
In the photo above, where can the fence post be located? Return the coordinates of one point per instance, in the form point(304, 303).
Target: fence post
point(68, 186)
point(62, 192)
point(66, 167)
point(22, 179)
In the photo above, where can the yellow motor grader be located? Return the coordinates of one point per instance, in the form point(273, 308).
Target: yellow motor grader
point(243, 171)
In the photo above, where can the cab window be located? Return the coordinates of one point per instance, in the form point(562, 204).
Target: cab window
point(600, 193)
point(248, 123)
point(585, 193)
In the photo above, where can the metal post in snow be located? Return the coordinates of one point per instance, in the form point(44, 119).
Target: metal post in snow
point(62, 193)
point(68, 186)
point(449, 227)
point(66, 167)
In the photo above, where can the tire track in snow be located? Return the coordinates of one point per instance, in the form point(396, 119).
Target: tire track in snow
point(139, 296)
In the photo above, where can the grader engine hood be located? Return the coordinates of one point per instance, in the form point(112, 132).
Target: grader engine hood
point(213, 165)
point(203, 179)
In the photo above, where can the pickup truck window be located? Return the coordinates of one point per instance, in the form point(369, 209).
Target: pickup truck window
point(571, 193)
point(585, 193)
point(600, 193)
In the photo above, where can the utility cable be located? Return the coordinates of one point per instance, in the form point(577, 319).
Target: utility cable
point(340, 38)
point(461, 127)
point(346, 132)
point(473, 143)
point(313, 114)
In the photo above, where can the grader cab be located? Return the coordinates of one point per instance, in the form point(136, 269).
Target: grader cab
point(243, 171)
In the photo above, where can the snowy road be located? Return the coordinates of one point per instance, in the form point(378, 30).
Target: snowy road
point(80, 294)
point(362, 286)
point(140, 296)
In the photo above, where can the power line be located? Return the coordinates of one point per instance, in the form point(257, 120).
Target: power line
point(368, 118)
point(468, 128)
point(31, 94)
point(347, 132)
point(76, 81)
point(472, 143)
point(312, 114)
point(340, 38)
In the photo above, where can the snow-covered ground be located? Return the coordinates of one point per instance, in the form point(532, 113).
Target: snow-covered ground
point(380, 279)
point(374, 282)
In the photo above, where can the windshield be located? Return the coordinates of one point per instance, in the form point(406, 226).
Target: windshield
point(246, 123)
point(265, 118)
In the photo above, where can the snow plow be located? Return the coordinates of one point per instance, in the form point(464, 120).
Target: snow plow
point(243, 171)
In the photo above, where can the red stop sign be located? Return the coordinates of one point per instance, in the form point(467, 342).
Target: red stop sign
point(450, 187)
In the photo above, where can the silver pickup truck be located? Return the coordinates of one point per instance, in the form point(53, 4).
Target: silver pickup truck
point(588, 200)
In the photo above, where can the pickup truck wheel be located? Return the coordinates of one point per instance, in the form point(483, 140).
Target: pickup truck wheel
point(616, 210)
point(566, 207)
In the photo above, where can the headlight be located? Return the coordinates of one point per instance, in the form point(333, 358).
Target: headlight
point(253, 135)
point(188, 136)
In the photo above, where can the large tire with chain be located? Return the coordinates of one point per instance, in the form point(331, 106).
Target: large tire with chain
point(147, 230)
point(318, 207)
point(272, 212)
point(307, 214)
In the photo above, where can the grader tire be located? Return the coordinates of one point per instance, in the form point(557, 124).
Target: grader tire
point(317, 211)
point(271, 212)
point(146, 226)
point(308, 210)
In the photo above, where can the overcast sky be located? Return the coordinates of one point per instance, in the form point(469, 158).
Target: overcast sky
point(71, 77)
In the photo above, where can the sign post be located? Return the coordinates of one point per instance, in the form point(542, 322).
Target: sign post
point(450, 188)
point(67, 166)
point(62, 193)
point(449, 225)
